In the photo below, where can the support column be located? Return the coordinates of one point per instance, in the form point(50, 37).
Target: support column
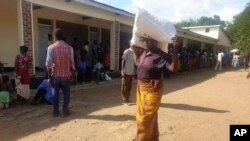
point(26, 26)
point(53, 29)
point(202, 45)
point(115, 46)
point(185, 43)
point(215, 49)
point(20, 21)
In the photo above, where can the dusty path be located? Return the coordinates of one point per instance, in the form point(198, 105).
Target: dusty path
point(198, 106)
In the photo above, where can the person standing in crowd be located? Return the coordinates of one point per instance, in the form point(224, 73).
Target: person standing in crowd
point(227, 58)
point(94, 50)
point(22, 65)
point(86, 45)
point(60, 63)
point(127, 72)
point(107, 58)
point(197, 58)
point(211, 58)
point(246, 61)
point(77, 51)
point(100, 52)
point(219, 61)
point(236, 61)
point(82, 64)
point(184, 59)
point(151, 65)
point(248, 75)
point(50, 42)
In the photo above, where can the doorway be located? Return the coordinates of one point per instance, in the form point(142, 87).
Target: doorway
point(44, 32)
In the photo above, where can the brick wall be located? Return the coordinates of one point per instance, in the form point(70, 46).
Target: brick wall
point(27, 30)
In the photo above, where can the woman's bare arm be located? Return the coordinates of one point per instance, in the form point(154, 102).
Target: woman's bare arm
point(137, 52)
point(173, 66)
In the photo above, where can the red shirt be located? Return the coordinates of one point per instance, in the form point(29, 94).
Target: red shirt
point(60, 58)
point(22, 64)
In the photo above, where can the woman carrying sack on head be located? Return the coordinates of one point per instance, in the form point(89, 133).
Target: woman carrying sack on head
point(153, 34)
point(150, 67)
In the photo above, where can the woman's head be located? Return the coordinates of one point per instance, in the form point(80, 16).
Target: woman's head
point(23, 49)
point(149, 43)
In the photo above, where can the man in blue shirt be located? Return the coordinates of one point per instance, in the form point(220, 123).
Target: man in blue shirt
point(44, 92)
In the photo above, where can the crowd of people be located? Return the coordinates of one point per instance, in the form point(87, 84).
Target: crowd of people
point(205, 59)
point(91, 61)
point(87, 63)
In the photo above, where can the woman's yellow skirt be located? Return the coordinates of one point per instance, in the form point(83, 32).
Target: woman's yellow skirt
point(149, 95)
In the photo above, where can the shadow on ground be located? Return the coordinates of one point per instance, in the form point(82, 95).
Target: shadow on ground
point(25, 120)
point(188, 79)
point(187, 107)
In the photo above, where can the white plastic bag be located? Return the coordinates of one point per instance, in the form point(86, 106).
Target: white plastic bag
point(151, 26)
point(107, 77)
point(22, 89)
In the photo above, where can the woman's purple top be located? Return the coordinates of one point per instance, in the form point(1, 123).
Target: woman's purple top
point(151, 64)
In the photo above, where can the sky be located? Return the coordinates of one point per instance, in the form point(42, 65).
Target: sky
point(178, 10)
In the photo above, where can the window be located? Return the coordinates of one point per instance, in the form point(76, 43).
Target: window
point(44, 21)
point(207, 30)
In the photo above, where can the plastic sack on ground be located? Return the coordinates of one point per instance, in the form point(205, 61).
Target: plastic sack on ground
point(151, 26)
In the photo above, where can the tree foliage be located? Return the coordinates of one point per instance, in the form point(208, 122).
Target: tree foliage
point(240, 30)
point(215, 20)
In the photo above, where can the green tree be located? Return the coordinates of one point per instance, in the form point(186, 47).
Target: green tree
point(240, 30)
point(215, 20)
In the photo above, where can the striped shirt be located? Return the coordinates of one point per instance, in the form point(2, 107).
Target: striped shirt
point(60, 58)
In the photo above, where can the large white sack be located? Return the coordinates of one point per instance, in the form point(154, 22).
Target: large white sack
point(136, 41)
point(149, 25)
point(152, 26)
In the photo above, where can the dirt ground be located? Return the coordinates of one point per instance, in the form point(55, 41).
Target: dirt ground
point(196, 106)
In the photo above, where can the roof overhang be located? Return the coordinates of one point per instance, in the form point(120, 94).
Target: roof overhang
point(106, 7)
point(195, 36)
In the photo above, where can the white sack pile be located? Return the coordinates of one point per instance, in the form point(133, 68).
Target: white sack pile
point(151, 26)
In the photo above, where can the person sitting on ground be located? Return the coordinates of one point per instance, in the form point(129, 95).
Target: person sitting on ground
point(5, 90)
point(44, 93)
point(99, 73)
point(96, 72)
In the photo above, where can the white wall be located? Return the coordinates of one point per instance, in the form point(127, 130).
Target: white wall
point(214, 32)
point(223, 39)
point(9, 37)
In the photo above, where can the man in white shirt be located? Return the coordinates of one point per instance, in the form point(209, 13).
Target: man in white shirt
point(128, 72)
point(219, 61)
